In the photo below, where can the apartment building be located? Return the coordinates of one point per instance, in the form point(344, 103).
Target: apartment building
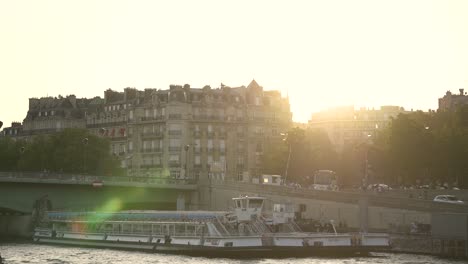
point(186, 132)
point(450, 102)
point(346, 125)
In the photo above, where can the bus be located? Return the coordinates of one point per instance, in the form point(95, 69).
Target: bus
point(325, 180)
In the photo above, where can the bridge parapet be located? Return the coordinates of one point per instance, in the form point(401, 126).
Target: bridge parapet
point(78, 179)
point(343, 197)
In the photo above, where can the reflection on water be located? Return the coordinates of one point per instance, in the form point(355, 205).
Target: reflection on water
point(32, 253)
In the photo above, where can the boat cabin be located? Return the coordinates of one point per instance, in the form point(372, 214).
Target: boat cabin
point(283, 213)
point(248, 208)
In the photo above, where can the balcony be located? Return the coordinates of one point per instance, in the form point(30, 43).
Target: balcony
point(174, 149)
point(149, 119)
point(222, 135)
point(199, 117)
point(175, 132)
point(210, 134)
point(156, 134)
point(150, 166)
point(197, 134)
point(175, 116)
point(222, 150)
point(151, 150)
point(174, 164)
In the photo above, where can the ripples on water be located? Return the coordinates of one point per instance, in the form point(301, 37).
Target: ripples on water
point(15, 253)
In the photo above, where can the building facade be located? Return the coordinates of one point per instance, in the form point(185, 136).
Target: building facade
point(186, 132)
point(451, 101)
point(53, 114)
point(180, 132)
point(346, 126)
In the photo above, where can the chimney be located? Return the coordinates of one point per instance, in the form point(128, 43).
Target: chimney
point(461, 91)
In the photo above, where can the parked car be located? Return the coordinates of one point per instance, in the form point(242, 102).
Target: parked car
point(379, 187)
point(448, 199)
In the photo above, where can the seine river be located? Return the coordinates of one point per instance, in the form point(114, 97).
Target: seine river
point(30, 253)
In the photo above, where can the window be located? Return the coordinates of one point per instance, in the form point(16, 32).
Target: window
point(174, 142)
point(210, 144)
point(240, 175)
point(146, 145)
point(197, 160)
point(157, 160)
point(174, 158)
point(222, 144)
point(210, 159)
point(175, 174)
point(130, 146)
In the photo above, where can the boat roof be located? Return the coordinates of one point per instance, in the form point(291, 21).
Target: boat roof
point(139, 215)
point(248, 197)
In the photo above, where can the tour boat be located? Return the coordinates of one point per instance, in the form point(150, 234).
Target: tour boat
point(246, 231)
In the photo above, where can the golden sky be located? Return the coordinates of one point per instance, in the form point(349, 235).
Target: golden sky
point(323, 53)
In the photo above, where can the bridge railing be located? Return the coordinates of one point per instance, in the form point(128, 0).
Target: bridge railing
point(345, 197)
point(51, 177)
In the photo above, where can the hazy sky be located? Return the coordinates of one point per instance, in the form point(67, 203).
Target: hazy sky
point(323, 53)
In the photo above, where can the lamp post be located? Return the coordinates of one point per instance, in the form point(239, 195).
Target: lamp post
point(186, 148)
point(365, 178)
point(285, 138)
point(85, 143)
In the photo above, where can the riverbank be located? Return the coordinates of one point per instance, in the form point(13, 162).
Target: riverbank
point(427, 245)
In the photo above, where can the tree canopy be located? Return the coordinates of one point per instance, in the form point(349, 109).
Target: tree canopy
point(69, 151)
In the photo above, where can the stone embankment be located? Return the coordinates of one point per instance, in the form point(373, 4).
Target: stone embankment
point(425, 244)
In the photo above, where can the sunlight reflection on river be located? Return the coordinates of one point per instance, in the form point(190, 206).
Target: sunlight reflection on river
point(14, 253)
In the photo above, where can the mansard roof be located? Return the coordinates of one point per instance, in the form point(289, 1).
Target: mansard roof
point(253, 85)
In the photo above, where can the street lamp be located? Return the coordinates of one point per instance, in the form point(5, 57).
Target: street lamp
point(365, 142)
point(186, 148)
point(102, 131)
point(85, 143)
point(285, 138)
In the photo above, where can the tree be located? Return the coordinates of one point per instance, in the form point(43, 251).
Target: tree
point(69, 151)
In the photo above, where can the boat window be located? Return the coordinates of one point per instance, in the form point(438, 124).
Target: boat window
point(243, 201)
point(238, 203)
point(156, 229)
point(108, 228)
point(180, 229)
point(276, 208)
point(168, 229)
point(117, 228)
point(126, 228)
point(146, 228)
point(190, 230)
point(255, 203)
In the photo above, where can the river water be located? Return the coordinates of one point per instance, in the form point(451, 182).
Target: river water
point(14, 253)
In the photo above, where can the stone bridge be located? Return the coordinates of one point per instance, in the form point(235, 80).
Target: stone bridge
point(19, 191)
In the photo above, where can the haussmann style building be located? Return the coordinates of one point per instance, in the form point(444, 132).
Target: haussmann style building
point(180, 132)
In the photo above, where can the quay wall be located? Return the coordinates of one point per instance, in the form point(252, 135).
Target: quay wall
point(347, 211)
point(15, 226)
